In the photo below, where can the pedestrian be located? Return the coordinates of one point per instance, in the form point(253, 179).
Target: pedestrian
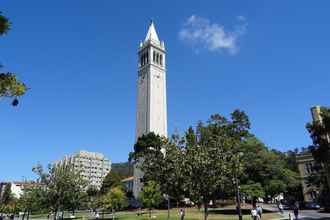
point(182, 214)
point(1, 217)
point(259, 211)
point(97, 215)
point(280, 207)
point(295, 211)
point(254, 213)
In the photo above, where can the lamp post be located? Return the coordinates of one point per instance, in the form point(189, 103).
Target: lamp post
point(237, 187)
point(166, 196)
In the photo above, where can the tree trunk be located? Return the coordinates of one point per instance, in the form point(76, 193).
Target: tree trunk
point(62, 215)
point(55, 214)
point(28, 215)
point(23, 217)
point(327, 171)
point(168, 208)
point(113, 214)
point(150, 213)
point(206, 213)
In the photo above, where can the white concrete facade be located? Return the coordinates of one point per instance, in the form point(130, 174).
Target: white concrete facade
point(92, 166)
point(151, 114)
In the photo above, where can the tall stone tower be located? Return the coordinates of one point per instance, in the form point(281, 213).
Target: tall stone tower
point(151, 115)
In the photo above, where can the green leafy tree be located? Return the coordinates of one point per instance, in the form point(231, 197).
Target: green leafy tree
point(253, 190)
point(114, 200)
point(111, 180)
point(320, 133)
point(162, 160)
point(10, 86)
point(7, 200)
point(33, 199)
point(151, 196)
point(65, 188)
point(211, 156)
point(4, 24)
point(7, 196)
point(262, 165)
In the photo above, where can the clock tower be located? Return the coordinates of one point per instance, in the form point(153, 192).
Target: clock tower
point(151, 115)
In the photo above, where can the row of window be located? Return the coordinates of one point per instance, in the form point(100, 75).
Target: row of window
point(157, 58)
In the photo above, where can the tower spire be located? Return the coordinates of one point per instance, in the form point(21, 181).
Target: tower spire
point(152, 34)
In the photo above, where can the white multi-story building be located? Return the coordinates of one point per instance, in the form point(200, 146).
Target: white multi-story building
point(92, 166)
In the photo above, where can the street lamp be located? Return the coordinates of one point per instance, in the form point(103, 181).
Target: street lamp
point(237, 187)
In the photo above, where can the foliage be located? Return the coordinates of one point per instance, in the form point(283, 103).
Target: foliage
point(204, 164)
point(65, 188)
point(115, 199)
point(151, 196)
point(161, 161)
point(92, 191)
point(10, 86)
point(4, 24)
point(7, 196)
point(111, 180)
point(253, 190)
point(7, 200)
point(33, 199)
point(211, 155)
point(123, 169)
point(320, 133)
point(264, 166)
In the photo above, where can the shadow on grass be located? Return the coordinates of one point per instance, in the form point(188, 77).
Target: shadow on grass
point(233, 211)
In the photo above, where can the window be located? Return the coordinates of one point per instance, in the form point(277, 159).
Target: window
point(161, 60)
point(154, 56)
point(157, 58)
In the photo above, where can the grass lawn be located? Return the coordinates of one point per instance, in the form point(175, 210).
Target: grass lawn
point(191, 214)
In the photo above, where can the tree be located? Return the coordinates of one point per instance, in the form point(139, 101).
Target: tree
point(7, 200)
point(114, 200)
point(7, 195)
point(161, 161)
point(4, 24)
point(10, 86)
point(33, 199)
point(320, 133)
point(262, 165)
point(274, 187)
point(65, 188)
point(253, 190)
point(151, 196)
point(111, 180)
point(211, 154)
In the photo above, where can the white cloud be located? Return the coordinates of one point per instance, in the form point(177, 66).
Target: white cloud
point(200, 32)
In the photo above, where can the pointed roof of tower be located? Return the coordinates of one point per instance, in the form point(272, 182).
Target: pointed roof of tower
point(152, 34)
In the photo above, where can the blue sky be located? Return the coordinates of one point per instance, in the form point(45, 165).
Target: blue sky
point(268, 58)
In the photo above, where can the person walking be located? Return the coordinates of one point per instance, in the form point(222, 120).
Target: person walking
point(280, 207)
point(182, 214)
point(254, 213)
point(296, 210)
point(259, 211)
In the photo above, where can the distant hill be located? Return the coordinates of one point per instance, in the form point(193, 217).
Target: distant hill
point(124, 169)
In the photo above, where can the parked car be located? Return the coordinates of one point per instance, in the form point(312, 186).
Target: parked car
point(312, 205)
